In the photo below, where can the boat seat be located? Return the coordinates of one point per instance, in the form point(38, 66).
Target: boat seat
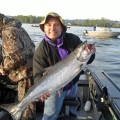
point(74, 118)
point(69, 102)
point(83, 85)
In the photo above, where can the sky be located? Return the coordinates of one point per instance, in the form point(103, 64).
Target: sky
point(68, 9)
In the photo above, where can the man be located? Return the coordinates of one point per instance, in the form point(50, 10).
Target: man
point(55, 46)
point(17, 53)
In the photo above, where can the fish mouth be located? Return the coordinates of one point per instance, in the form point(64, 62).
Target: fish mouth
point(86, 51)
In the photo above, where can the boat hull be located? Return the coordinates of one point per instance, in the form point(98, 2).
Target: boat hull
point(102, 34)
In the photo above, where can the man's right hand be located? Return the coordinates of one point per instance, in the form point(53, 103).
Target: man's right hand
point(44, 97)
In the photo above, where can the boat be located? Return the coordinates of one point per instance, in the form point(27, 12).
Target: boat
point(101, 32)
point(68, 26)
point(35, 25)
point(98, 99)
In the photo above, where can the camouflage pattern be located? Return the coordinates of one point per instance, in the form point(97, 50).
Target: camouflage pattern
point(17, 51)
point(26, 83)
point(1, 53)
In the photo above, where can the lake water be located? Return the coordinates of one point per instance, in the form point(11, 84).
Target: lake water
point(107, 51)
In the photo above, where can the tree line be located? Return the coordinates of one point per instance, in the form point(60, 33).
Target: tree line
point(103, 22)
point(29, 19)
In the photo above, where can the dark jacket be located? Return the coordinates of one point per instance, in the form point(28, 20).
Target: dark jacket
point(47, 55)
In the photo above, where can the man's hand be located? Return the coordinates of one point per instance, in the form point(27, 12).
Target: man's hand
point(44, 97)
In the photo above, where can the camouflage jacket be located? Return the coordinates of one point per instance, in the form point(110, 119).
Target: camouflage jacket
point(17, 50)
point(0, 53)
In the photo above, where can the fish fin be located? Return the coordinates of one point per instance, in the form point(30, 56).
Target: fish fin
point(60, 91)
point(7, 107)
point(46, 70)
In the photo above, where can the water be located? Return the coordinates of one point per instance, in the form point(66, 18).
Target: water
point(107, 51)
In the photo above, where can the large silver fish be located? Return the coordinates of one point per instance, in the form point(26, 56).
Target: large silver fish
point(56, 78)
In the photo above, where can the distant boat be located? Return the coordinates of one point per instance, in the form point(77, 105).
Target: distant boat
point(68, 26)
point(101, 32)
point(36, 25)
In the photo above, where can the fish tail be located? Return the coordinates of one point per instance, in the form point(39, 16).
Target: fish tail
point(13, 109)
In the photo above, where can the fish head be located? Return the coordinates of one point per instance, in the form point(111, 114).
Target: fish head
point(84, 51)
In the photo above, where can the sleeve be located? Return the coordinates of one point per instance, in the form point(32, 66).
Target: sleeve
point(77, 41)
point(39, 62)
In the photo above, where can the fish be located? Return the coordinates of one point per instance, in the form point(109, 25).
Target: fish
point(56, 78)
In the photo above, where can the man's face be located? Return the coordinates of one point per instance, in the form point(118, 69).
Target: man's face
point(53, 28)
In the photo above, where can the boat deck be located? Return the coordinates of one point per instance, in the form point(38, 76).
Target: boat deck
point(82, 114)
